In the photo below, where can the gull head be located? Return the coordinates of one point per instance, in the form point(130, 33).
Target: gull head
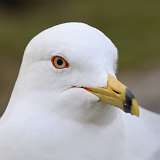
point(73, 64)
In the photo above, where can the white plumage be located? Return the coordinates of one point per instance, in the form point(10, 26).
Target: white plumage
point(46, 119)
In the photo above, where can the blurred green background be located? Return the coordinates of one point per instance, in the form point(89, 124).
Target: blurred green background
point(134, 27)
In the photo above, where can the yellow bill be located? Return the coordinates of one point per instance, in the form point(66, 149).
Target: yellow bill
point(118, 95)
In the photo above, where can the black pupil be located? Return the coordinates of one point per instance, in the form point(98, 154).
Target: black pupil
point(59, 62)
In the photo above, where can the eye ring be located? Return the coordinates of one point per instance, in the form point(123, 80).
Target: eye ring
point(59, 62)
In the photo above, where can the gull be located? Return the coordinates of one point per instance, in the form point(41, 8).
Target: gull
point(67, 103)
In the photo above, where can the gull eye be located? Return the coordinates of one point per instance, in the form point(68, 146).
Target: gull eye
point(59, 62)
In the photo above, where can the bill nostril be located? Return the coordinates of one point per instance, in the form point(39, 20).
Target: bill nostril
point(117, 92)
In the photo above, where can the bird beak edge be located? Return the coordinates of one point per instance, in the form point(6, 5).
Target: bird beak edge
point(118, 95)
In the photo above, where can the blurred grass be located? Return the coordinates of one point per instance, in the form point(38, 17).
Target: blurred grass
point(132, 25)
